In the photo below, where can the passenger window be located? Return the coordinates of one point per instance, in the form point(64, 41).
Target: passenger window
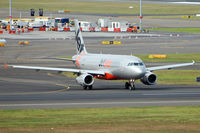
point(135, 64)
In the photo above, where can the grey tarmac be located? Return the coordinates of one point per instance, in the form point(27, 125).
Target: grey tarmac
point(28, 89)
point(24, 89)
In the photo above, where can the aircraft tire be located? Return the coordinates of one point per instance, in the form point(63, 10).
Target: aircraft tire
point(85, 87)
point(127, 85)
point(90, 87)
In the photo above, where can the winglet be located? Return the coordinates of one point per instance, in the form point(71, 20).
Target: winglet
point(193, 61)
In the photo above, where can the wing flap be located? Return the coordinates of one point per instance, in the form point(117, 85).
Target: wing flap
point(94, 72)
point(65, 59)
point(169, 66)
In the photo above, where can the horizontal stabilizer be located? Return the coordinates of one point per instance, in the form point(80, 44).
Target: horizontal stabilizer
point(65, 59)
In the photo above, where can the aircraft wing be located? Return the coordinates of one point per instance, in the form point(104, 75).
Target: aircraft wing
point(65, 59)
point(169, 66)
point(55, 58)
point(93, 72)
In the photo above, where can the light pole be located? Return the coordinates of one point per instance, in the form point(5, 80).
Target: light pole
point(141, 17)
point(10, 15)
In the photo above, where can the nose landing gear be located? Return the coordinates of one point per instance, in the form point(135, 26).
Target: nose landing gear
point(130, 85)
point(85, 87)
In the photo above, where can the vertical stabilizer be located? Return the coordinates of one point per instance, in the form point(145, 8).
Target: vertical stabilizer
point(79, 39)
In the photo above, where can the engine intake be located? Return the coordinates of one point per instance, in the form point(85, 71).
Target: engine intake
point(149, 79)
point(85, 79)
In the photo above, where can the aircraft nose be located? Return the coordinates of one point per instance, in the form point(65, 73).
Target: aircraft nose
point(140, 72)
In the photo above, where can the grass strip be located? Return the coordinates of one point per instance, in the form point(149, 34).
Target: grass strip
point(173, 77)
point(178, 77)
point(188, 57)
point(100, 7)
point(167, 77)
point(192, 17)
point(120, 120)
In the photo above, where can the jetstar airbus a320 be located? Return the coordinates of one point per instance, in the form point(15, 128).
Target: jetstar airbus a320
point(107, 67)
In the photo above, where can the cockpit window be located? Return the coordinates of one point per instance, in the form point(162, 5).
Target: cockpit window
point(135, 64)
point(141, 64)
point(130, 64)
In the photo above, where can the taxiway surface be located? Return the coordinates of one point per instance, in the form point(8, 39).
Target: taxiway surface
point(25, 89)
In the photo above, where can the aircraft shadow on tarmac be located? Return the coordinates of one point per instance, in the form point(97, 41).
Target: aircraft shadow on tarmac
point(138, 87)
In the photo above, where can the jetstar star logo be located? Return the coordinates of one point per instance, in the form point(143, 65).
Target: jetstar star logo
point(80, 46)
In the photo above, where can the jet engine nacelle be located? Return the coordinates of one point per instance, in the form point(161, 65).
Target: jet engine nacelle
point(149, 79)
point(85, 79)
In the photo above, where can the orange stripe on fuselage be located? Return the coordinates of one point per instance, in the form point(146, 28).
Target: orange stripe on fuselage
point(107, 76)
point(78, 58)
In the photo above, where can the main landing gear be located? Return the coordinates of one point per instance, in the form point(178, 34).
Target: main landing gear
point(85, 87)
point(130, 85)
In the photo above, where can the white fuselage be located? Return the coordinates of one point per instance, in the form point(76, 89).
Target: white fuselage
point(115, 66)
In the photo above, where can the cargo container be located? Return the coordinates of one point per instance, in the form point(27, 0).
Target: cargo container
point(48, 22)
point(103, 23)
point(87, 26)
point(114, 26)
point(3, 42)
